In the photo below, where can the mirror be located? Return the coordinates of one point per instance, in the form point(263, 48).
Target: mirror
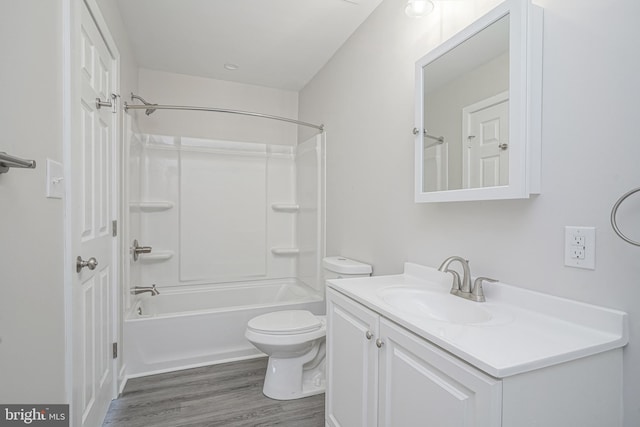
point(478, 109)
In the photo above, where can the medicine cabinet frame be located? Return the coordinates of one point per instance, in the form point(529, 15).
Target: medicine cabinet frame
point(525, 105)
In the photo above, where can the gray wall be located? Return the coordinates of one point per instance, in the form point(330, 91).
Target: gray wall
point(32, 334)
point(179, 89)
point(364, 96)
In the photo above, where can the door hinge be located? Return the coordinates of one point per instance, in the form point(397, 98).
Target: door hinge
point(115, 350)
point(114, 227)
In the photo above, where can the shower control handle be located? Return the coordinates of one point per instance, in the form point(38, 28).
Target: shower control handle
point(369, 335)
point(91, 264)
point(137, 250)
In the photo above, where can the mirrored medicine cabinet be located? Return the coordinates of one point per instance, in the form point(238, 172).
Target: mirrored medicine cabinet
point(478, 109)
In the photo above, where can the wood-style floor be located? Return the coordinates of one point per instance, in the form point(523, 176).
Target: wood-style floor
point(228, 395)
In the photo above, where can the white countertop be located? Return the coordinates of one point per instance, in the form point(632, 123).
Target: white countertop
point(528, 330)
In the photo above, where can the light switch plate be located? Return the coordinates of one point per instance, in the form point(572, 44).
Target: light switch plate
point(55, 180)
point(580, 247)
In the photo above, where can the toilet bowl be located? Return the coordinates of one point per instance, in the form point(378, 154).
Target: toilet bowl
point(294, 340)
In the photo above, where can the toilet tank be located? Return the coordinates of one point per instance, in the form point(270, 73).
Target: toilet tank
point(338, 267)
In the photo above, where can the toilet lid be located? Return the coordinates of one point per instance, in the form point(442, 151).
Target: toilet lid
point(285, 322)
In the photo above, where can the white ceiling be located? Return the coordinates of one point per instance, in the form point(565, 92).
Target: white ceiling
point(276, 43)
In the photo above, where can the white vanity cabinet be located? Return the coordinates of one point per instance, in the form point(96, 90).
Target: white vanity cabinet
point(380, 374)
point(352, 363)
point(420, 383)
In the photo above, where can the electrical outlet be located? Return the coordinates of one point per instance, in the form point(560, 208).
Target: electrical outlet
point(580, 247)
point(577, 252)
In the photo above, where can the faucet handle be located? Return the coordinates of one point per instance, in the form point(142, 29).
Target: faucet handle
point(455, 286)
point(477, 292)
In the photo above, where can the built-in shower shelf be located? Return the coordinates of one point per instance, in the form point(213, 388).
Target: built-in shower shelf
point(285, 251)
point(156, 256)
point(158, 206)
point(285, 207)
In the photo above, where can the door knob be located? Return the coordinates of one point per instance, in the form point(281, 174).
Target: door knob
point(91, 263)
point(368, 335)
point(503, 146)
point(379, 343)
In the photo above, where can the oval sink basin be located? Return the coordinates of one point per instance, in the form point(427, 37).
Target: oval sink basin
point(436, 305)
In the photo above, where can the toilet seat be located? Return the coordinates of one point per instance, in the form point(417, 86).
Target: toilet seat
point(286, 322)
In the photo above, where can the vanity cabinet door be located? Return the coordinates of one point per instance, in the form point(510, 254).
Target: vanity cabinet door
point(420, 384)
point(352, 363)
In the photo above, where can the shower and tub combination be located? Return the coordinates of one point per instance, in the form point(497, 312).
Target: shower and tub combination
point(230, 230)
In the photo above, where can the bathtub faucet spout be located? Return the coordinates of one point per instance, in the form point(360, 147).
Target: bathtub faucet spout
point(141, 289)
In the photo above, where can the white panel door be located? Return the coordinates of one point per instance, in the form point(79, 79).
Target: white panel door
point(486, 155)
point(92, 163)
point(422, 385)
point(352, 363)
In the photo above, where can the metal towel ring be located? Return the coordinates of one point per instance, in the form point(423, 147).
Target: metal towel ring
point(614, 211)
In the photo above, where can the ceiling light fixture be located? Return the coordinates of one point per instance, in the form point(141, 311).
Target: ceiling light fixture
point(231, 67)
point(418, 8)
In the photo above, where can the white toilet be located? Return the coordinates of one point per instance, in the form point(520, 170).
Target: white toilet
point(294, 340)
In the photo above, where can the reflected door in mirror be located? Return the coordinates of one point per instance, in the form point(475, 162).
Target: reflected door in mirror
point(486, 130)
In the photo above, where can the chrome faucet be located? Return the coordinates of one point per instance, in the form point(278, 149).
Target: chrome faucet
point(458, 287)
point(463, 288)
point(141, 289)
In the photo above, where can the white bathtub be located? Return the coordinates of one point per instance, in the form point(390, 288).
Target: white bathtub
point(188, 327)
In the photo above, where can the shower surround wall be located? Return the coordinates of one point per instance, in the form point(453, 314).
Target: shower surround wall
point(226, 211)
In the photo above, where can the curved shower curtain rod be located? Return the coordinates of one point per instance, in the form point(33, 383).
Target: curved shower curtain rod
point(150, 108)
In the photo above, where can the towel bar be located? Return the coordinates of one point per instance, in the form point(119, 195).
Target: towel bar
point(614, 222)
point(7, 161)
